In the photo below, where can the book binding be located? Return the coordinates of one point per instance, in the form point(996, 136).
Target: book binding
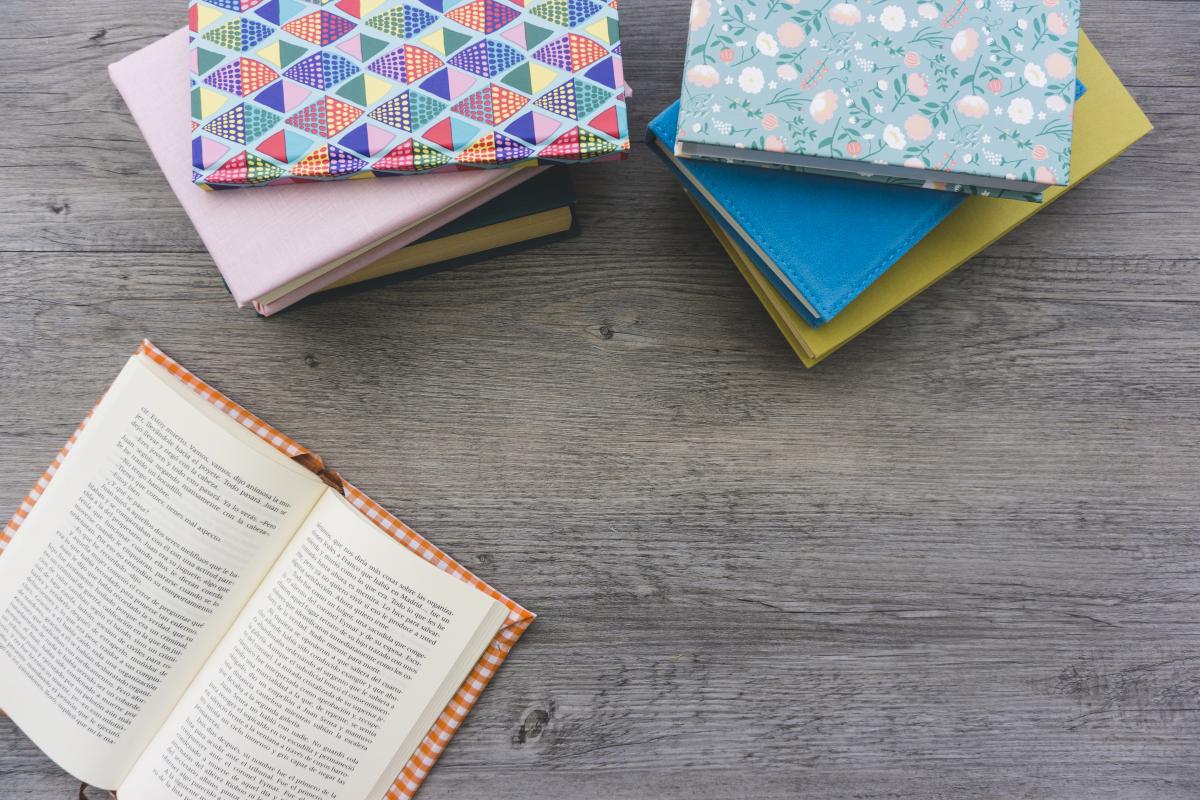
point(517, 622)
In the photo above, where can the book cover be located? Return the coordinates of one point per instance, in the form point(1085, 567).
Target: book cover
point(820, 240)
point(1107, 122)
point(539, 211)
point(274, 248)
point(205, 462)
point(284, 91)
point(964, 95)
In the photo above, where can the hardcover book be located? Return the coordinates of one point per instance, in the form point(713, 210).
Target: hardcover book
point(275, 248)
point(539, 211)
point(286, 90)
point(850, 233)
point(973, 96)
point(1107, 122)
point(193, 605)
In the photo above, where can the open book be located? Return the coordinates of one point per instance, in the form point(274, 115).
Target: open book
point(192, 605)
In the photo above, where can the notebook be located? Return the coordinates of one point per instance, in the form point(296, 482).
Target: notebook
point(192, 604)
point(539, 211)
point(287, 90)
point(276, 247)
point(1107, 122)
point(820, 240)
point(958, 95)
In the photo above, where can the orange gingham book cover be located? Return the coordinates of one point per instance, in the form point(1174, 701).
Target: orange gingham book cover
point(519, 618)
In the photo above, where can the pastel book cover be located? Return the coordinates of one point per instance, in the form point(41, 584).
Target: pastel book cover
point(312, 90)
point(1107, 123)
point(821, 241)
point(972, 96)
point(275, 248)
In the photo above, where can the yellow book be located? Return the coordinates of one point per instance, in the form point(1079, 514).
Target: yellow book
point(1107, 122)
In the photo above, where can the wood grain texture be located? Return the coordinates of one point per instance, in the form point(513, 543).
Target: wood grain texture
point(960, 559)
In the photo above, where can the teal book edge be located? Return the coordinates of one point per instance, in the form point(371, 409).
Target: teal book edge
point(820, 240)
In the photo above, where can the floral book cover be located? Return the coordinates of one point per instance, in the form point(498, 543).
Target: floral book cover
point(963, 95)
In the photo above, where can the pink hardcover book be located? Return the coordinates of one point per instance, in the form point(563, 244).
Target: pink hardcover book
point(277, 245)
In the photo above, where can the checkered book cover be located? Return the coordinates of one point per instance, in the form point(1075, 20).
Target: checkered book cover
point(518, 620)
point(299, 90)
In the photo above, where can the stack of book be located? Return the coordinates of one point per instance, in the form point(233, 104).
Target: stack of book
point(848, 155)
point(473, 102)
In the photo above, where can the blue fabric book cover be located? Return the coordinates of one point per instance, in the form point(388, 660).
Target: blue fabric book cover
point(820, 240)
point(960, 95)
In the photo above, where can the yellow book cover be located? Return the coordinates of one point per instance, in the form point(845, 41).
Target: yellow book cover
point(1107, 123)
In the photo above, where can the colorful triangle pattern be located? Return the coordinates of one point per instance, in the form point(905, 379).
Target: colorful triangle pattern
point(303, 90)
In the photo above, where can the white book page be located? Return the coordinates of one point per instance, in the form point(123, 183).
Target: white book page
point(329, 673)
point(135, 561)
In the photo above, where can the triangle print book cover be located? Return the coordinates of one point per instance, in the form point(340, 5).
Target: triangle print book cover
point(291, 90)
point(963, 95)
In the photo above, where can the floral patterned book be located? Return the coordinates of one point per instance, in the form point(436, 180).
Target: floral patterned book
point(970, 96)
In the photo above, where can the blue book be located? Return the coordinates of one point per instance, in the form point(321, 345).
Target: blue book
point(820, 240)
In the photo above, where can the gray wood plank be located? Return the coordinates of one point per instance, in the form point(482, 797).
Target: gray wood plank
point(960, 559)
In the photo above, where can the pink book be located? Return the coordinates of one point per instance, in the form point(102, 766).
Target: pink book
point(318, 232)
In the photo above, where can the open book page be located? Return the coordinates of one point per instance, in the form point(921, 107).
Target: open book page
point(136, 559)
point(329, 679)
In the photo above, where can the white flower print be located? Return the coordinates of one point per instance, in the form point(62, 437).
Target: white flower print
point(893, 137)
point(766, 44)
point(893, 19)
point(751, 80)
point(927, 11)
point(1056, 104)
point(1035, 75)
point(786, 72)
point(1020, 111)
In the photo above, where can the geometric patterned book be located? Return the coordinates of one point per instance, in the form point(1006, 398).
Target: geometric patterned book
point(292, 90)
point(171, 506)
point(970, 96)
point(276, 247)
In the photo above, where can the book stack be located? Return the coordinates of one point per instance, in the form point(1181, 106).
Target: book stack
point(293, 106)
point(848, 155)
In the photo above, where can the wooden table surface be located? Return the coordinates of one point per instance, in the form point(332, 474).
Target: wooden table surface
point(960, 559)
